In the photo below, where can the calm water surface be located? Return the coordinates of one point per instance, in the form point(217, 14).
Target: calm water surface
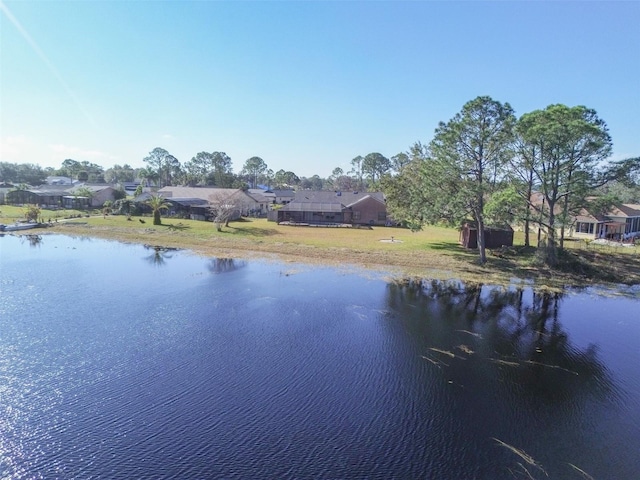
point(117, 361)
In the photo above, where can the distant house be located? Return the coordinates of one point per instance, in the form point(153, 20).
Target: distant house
point(99, 194)
point(130, 187)
point(263, 200)
point(187, 208)
point(274, 197)
point(494, 237)
point(183, 207)
point(62, 196)
point(45, 196)
point(621, 222)
point(246, 204)
point(283, 197)
point(4, 189)
point(265, 195)
point(323, 207)
point(58, 180)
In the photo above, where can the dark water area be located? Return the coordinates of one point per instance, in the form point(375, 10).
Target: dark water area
point(119, 361)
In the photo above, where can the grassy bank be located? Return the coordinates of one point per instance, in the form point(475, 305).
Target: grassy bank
point(431, 253)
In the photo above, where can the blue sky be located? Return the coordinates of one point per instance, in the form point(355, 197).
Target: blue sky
point(306, 86)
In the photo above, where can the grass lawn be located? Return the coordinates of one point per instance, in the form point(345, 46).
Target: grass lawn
point(431, 253)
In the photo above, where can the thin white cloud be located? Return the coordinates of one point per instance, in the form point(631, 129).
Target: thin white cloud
point(54, 71)
point(11, 146)
point(60, 150)
point(168, 136)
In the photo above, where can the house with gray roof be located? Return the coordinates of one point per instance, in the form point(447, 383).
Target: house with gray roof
point(325, 207)
point(621, 222)
point(58, 196)
point(274, 197)
point(100, 193)
point(283, 197)
point(246, 204)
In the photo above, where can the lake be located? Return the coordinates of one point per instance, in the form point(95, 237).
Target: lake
point(120, 361)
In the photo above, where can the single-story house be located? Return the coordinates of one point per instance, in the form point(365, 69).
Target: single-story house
point(245, 204)
point(47, 196)
point(324, 207)
point(4, 189)
point(283, 197)
point(189, 207)
point(621, 222)
point(99, 194)
point(58, 180)
point(266, 195)
point(62, 196)
point(274, 197)
point(263, 200)
point(184, 207)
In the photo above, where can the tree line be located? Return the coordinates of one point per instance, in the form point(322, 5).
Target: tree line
point(488, 166)
point(210, 169)
point(215, 169)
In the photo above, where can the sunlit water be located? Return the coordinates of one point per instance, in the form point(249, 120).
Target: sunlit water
point(117, 361)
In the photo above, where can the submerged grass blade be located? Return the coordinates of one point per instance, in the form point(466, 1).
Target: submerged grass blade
point(526, 471)
point(446, 352)
point(436, 362)
point(581, 472)
point(551, 366)
point(470, 333)
point(522, 454)
point(504, 362)
point(465, 349)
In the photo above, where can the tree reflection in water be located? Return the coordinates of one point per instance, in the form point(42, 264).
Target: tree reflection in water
point(34, 240)
point(516, 330)
point(505, 368)
point(225, 265)
point(159, 256)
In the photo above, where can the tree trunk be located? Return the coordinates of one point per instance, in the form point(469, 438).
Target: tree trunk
point(156, 218)
point(527, 241)
point(481, 238)
point(550, 249)
point(565, 212)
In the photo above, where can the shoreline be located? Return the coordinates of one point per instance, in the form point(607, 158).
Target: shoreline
point(401, 264)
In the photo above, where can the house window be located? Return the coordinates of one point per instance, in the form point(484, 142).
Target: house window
point(633, 225)
point(584, 227)
point(382, 216)
point(356, 214)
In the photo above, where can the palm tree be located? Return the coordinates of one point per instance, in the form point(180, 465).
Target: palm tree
point(157, 203)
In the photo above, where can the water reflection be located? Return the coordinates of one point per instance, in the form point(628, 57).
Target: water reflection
point(32, 239)
point(518, 331)
point(225, 265)
point(159, 256)
point(506, 354)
